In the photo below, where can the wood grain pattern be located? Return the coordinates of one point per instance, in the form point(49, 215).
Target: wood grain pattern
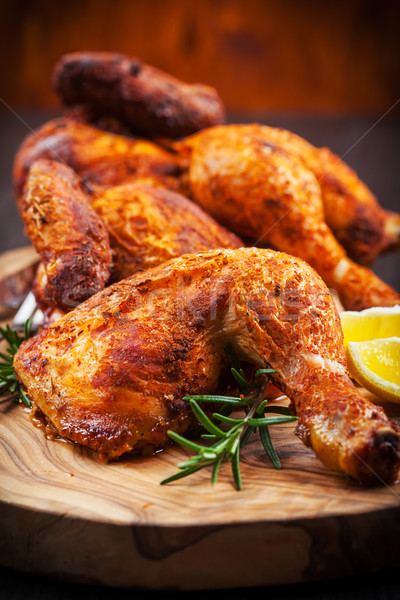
point(66, 514)
point(13, 260)
point(260, 54)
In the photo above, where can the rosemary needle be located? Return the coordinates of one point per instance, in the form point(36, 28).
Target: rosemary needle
point(9, 384)
point(228, 442)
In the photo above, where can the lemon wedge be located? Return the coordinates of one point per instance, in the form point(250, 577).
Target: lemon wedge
point(375, 364)
point(370, 324)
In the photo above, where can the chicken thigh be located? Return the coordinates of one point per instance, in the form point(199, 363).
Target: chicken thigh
point(149, 224)
point(112, 373)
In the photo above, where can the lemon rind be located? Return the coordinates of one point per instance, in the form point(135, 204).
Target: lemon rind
point(374, 310)
point(374, 383)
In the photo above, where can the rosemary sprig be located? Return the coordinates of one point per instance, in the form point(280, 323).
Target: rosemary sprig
point(9, 384)
point(226, 443)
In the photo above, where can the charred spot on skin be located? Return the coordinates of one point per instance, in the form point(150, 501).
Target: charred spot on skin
point(87, 186)
point(198, 322)
point(273, 203)
point(174, 405)
point(135, 67)
point(165, 169)
point(277, 290)
point(143, 287)
point(180, 350)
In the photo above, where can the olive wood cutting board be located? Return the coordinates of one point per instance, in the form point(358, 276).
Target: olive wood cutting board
point(67, 515)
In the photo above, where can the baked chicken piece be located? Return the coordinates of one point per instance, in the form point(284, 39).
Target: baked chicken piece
point(112, 373)
point(312, 199)
point(149, 225)
point(351, 210)
point(151, 102)
point(101, 159)
point(70, 238)
point(87, 241)
point(261, 192)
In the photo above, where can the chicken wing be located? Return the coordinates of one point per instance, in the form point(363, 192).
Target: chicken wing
point(150, 101)
point(70, 238)
point(111, 374)
point(260, 191)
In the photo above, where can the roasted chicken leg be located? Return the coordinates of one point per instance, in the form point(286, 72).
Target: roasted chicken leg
point(260, 191)
point(70, 238)
point(351, 211)
point(112, 373)
point(150, 101)
point(149, 224)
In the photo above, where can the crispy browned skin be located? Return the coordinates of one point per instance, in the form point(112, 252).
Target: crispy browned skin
point(351, 210)
point(111, 374)
point(70, 238)
point(260, 191)
point(152, 102)
point(101, 159)
point(149, 225)
point(145, 223)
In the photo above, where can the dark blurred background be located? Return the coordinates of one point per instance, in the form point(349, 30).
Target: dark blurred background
point(263, 55)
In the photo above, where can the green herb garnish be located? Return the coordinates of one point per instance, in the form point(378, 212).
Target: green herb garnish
point(226, 443)
point(9, 384)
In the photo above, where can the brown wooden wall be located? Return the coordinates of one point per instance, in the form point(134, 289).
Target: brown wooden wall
point(262, 55)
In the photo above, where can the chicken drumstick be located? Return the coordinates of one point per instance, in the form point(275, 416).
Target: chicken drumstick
point(71, 239)
point(150, 101)
point(111, 374)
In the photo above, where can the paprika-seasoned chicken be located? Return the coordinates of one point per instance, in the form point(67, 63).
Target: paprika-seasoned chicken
point(70, 238)
point(112, 373)
point(246, 182)
point(148, 225)
point(351, 211)
point(101, 159)
point(262, 192)
point(267, 185)
point(125, 229)
point(151, 102)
